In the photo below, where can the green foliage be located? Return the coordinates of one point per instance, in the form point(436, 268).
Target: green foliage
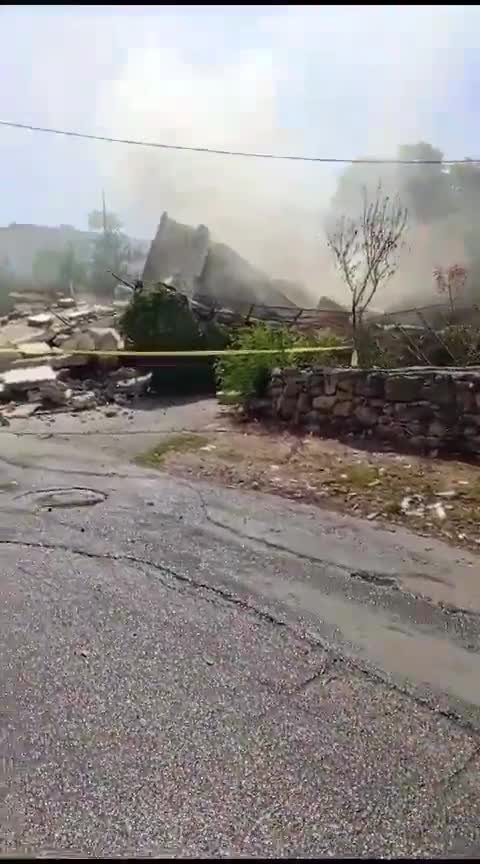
point(72, 271)
point(96, 219)
point(162, 320)
point(46, 267)
point(111, 253)
point(7, 281)
point(248, 375)
point(55, 269)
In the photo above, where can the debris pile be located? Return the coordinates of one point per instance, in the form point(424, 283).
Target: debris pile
point(40, 366)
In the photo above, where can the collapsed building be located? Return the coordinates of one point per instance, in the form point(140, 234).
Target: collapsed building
point(205, 270)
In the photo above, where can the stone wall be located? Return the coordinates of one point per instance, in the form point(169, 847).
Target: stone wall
point(421, 409)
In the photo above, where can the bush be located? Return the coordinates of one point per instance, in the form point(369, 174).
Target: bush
point(161, 320)
point(248, 375)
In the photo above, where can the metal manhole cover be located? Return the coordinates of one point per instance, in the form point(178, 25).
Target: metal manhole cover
point(72, 497)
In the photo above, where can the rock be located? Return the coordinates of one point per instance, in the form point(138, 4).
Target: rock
point(330, 383)
point(419, 410)
point(401, 388)
point(438, 511)
point(83, 401)
point(106, 339)
point(4, 421)
point(65, 361)
point(34, 349)
point(304, 403)
point(66, 302)
point(366, 415)
point(286, 406)
point(342, 409)
point(22, 412)
point(136, 386)
point(441, 391)
point(292, 387)
point(79, 342)
point(123, 373)
point(437, 430)
point(324, 403)
point(55, 392)
point(466, 396)
point(412, 505)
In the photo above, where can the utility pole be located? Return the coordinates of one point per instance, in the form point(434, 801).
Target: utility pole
point(104, 212)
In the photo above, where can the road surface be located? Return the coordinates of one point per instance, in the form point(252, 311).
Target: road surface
point(194, 671)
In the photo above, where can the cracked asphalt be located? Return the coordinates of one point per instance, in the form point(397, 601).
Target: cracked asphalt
point(190, 671)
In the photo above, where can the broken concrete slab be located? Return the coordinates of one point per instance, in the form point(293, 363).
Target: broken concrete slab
point(22, 380)
point(66, 361)
point(34, 349)
point(55, 392)
point(106, 339)
point(82, 341)
point(66, 302)
point(42, 319)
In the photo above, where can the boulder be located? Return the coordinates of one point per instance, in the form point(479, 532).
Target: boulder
point(366, 415)
point(342, 409)
point(324, 403)
point(403, 388)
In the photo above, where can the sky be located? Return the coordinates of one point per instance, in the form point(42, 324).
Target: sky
point(343, 81)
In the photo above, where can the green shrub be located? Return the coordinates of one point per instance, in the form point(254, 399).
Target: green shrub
point(248, 375)
point(161, 320)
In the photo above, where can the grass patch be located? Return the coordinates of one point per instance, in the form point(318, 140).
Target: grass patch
point(179, 443)
point(359, 476)
point(229, 454)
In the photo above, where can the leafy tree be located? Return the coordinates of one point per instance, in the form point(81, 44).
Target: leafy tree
point(95, 221)
point(426, 189)
point(72, 271)
point(451, 281)
point(46, 267)
point(61, 270)
point(161, 320)
point(111, 252)
point(243, 376)
point(7, 281)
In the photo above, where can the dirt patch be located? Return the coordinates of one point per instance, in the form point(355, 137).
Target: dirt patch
point(183, 443)
point(429, 496)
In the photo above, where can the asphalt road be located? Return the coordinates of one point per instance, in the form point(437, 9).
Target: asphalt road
point(193, 671)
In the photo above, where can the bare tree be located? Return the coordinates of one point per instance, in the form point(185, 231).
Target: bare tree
point(451, 281)
point(366, 249)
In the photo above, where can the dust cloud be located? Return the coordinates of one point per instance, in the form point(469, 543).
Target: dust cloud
point(329, 81)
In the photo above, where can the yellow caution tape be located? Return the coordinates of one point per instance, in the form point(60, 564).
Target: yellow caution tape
point(225, 352)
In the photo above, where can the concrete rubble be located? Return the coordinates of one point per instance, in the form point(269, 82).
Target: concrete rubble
point(40, 369)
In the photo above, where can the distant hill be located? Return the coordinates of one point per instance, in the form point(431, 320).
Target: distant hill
point(19, 243)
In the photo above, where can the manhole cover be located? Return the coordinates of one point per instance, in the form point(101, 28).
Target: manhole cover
point(73, 497)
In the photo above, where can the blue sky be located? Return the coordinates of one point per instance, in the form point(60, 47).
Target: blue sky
point(323, 80)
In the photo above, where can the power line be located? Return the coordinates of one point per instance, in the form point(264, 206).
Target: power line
point(242, 153)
